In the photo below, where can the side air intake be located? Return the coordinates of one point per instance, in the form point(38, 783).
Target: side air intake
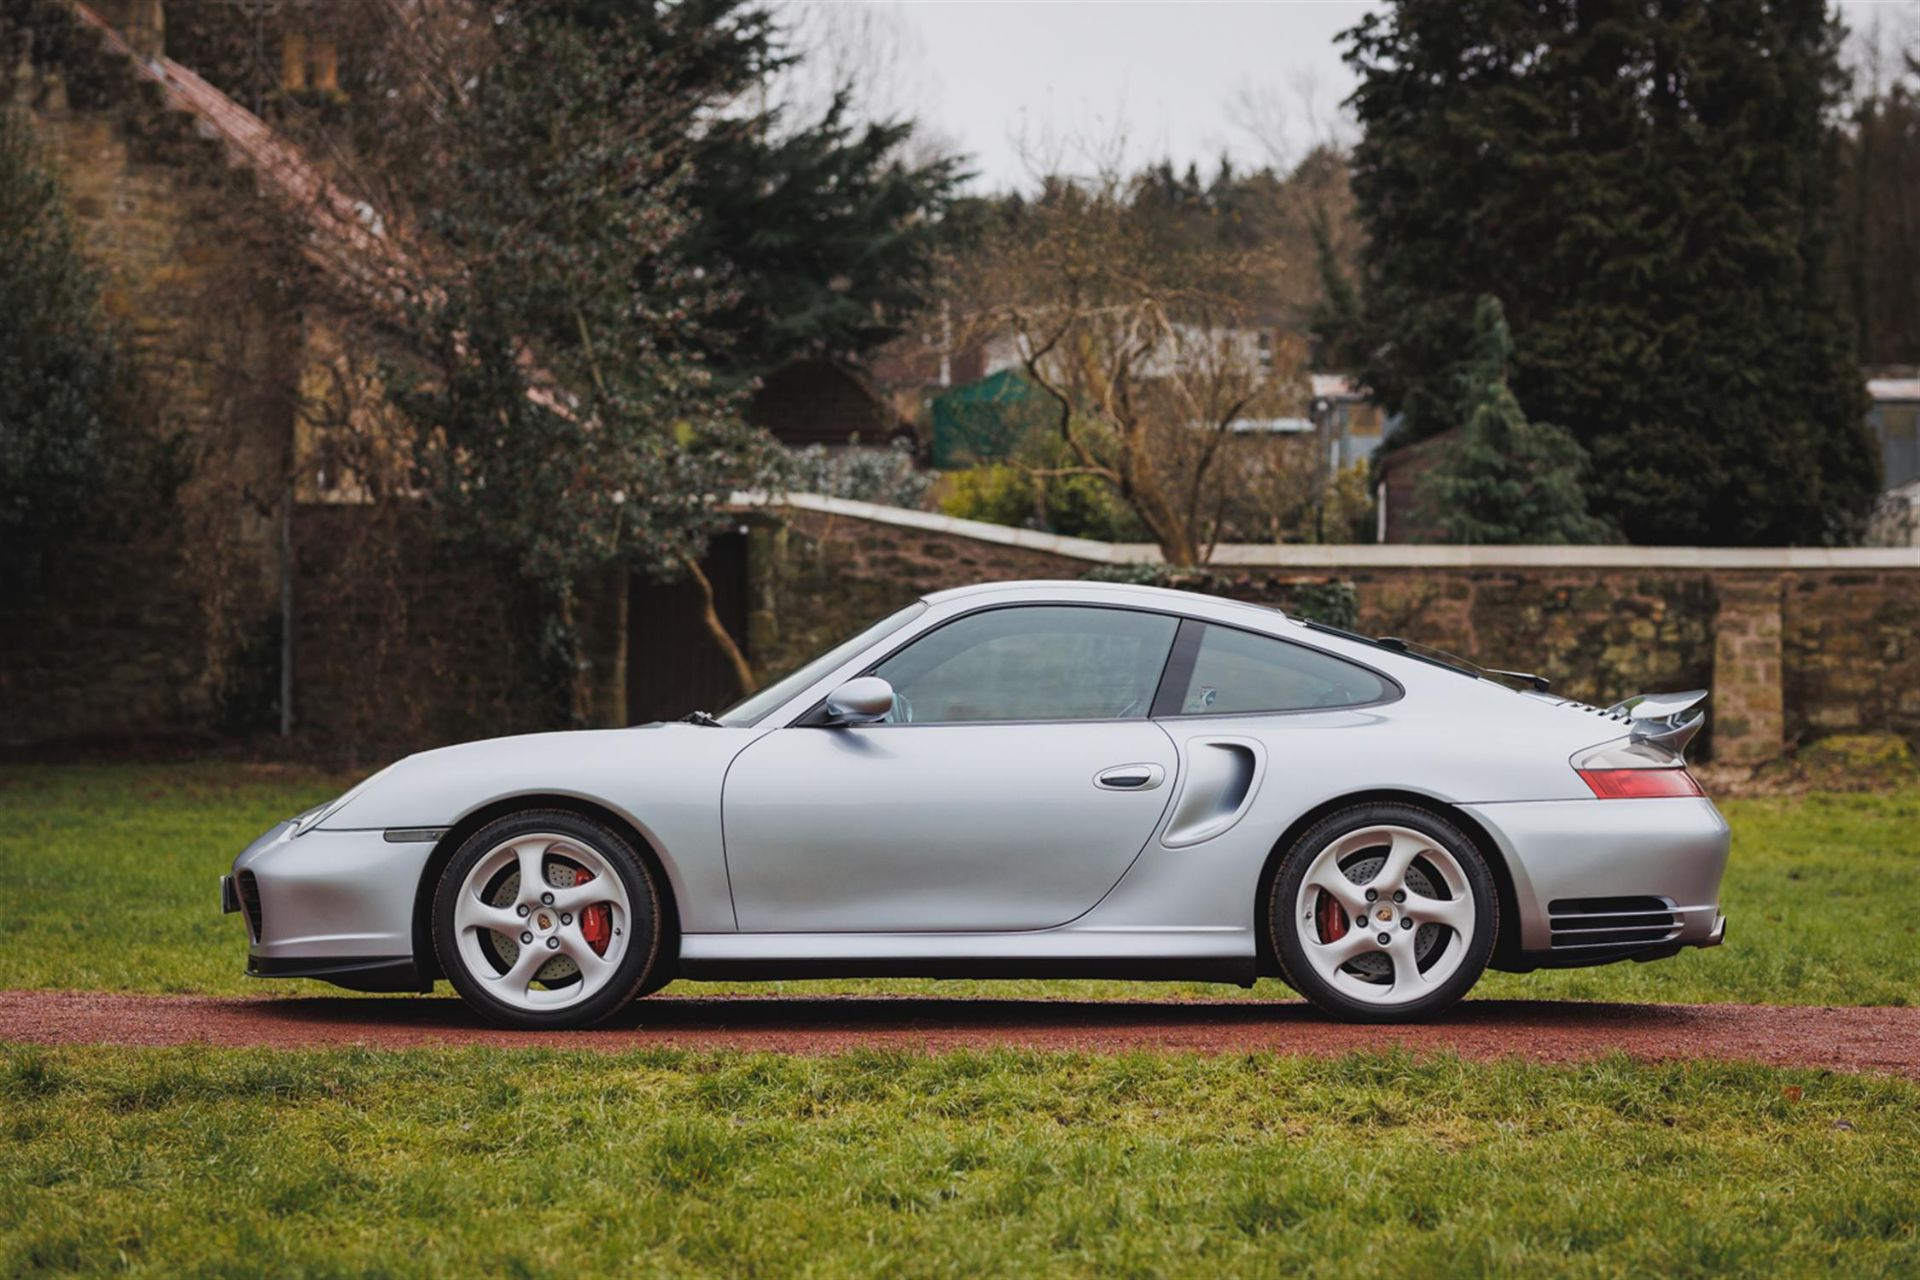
point(1616, 923)
point(249, 890)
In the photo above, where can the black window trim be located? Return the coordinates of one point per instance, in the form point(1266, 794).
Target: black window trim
point(1179, 669)
point(1166, 702)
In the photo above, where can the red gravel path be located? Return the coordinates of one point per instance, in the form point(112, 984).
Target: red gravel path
point(1840, 1039)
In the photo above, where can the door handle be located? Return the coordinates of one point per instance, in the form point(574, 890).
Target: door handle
point(1130, 777)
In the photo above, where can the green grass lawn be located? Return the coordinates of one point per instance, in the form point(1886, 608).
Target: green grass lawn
point(112, 875)
point(243, 1162)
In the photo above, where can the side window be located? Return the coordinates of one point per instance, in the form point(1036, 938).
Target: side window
point(1244, 672)
point(1038, 662)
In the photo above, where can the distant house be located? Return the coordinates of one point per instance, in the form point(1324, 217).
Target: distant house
point(1894, 419)
point(824, 402)
point(1397, 515)
point(1349, 425)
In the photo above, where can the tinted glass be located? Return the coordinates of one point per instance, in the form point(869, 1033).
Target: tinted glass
point(1040, 663)
point(1244, 672)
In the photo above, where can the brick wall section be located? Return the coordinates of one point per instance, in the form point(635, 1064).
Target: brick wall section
point(400, 644)
point(109, 651)
point(1598, 634)
point(1850, 654)
point(1749, 710)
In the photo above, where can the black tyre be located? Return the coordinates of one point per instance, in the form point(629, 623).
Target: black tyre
point(546, 919)
point(1383, 912)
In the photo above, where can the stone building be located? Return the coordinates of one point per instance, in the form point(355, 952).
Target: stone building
point(219, 247)
point(159, 633)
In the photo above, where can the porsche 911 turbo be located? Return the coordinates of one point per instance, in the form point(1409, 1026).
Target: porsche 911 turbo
point(1029, 779)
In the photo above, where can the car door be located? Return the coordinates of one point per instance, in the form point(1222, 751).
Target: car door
point(1015, 781)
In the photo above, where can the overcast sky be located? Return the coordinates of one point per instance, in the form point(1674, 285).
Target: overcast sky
point(1061, 82)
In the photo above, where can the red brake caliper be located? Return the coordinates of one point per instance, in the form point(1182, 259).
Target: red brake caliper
point(1329, 916)
point(596, 921)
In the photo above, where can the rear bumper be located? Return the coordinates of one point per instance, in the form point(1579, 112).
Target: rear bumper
point(1574, 851)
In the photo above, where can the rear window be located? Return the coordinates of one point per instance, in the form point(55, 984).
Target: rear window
point(1239, 671)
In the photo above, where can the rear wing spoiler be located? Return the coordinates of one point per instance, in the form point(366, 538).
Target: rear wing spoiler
point(1663, 719)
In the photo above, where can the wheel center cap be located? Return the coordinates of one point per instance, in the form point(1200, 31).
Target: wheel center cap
point(542, 920)
point(1384, 914)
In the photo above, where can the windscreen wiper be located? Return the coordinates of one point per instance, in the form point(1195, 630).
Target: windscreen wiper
point(701, 718)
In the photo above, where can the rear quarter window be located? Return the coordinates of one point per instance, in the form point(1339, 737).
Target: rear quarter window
point(1241, 671)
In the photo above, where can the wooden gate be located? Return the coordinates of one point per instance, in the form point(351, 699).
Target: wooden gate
point(674, 664)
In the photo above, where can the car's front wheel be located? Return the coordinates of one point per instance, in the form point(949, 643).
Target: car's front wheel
point(1383, 913)
point(546, 919)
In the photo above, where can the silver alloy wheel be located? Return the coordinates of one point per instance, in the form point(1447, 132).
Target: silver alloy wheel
point(1400, 866)
point(540, 922)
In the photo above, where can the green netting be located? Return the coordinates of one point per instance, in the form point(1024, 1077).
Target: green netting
point(985, 421)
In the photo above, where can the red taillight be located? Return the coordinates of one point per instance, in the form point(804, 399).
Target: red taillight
point(1639, 784)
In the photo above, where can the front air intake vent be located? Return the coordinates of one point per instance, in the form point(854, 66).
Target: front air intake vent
point(1617, 923)
point(249, 891)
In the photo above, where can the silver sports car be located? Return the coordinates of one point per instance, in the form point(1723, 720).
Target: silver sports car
point(1034, 779)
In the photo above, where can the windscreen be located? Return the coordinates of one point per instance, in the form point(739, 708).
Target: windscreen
point(755, 706)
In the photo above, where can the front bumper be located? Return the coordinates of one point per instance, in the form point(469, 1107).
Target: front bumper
point(333, 905)
point(1564, 852)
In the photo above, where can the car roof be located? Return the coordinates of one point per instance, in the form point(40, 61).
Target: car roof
point(1081, 590)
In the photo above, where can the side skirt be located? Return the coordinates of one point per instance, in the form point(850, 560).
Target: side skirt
point(1238, 972)
point(1202, 955)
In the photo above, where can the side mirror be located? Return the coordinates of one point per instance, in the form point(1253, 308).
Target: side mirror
point(860, 701)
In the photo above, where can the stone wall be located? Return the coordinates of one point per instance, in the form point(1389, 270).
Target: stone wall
point(402, 644)
point(1850, 653)
point(399, 644)
point(107, 651)
point(1793, 644)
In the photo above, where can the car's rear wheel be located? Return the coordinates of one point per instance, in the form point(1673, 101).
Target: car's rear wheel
point(1383, 913)
point(547, 919)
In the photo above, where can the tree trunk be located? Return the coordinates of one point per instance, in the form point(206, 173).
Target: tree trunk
point(600, 682)
point(742, 673)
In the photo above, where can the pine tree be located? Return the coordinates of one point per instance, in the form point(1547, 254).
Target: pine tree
point(567, 426)
point(817, 238)
point(1650, 191)
point(1505, 479)
point(1880, 237)
point(824, 237)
